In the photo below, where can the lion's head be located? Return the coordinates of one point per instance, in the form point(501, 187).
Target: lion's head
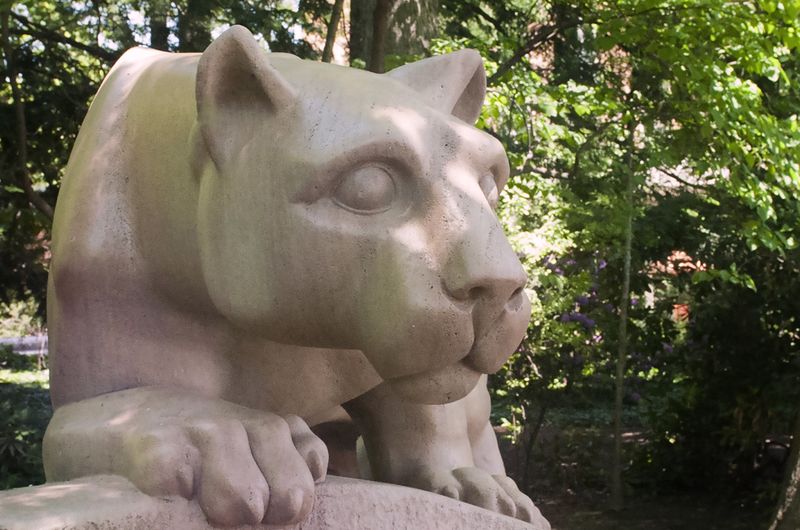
point(347, 209)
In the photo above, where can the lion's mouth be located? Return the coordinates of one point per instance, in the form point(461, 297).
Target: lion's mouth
point(436, 387)
point(497, 340)
point(517, 299)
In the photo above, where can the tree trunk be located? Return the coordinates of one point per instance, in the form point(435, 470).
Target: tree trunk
point(194, 32)
point(413, 24)
point(159, 32)
point(402, 27)
point(617, 495)
point(787, 513)
point(360, 29)
point(531, 442)
point(333, 24)
point(380, 28)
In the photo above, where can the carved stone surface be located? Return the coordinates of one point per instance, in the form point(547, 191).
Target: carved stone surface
point(244, 244)
point(112, 502)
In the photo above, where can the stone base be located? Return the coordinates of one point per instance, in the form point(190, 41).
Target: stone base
point(111, 502)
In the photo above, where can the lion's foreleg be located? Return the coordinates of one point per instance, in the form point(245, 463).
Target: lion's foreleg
point(447, 449)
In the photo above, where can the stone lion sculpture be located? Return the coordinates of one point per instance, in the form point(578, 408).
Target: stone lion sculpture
point(245, 241)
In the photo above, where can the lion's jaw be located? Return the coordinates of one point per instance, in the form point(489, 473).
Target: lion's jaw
point(494, 340)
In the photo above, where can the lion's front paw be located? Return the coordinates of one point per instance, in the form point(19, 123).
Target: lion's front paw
point(260, 467)
point(497, 493)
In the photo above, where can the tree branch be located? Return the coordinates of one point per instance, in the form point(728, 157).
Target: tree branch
point(546, 32)
point(539, 37)
point(46, 34)
point(683, 181)
point(478, 10)
point(22, 132)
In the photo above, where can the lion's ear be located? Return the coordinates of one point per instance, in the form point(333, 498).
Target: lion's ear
point(236, 89)
point(454, 83)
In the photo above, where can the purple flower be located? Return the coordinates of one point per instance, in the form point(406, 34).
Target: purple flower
point(583, 320)
point(601, 264)
point(667, 347)
point(582, 300)
point(634, 301)
point(580, 318)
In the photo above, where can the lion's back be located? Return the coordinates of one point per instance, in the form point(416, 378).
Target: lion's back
point(95, 246)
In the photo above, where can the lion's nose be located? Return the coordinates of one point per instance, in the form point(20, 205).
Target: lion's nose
point(486, 268)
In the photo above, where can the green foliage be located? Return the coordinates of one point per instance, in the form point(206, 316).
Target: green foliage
point(698, 101)
point(19, 318)
point(732, 381)
point(15, 362)
point(25, 409)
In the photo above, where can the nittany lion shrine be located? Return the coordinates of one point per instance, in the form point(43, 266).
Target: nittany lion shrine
point(248, 247)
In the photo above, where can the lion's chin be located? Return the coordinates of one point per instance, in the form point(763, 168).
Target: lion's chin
point(493, 348)
point(437, 387)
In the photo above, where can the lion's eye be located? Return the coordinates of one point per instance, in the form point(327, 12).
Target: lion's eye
point(367, 190)
point(489, 187)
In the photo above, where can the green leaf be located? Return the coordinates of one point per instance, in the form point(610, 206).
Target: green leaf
point(581, 109)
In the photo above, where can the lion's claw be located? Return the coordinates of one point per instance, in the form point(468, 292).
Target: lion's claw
point(243, 468)
point(497, 493)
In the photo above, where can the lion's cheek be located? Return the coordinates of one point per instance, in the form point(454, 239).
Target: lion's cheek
point(408, 325)
point(411, 335)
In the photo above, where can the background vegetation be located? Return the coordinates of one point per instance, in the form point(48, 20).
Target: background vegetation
point(655, 147)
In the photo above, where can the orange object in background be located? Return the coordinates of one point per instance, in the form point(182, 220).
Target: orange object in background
point(680, 312)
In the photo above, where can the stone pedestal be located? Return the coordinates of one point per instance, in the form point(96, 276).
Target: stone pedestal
point(111, 502)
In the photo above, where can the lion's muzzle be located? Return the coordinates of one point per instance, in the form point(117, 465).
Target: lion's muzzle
point(499, 340)
point(485, 276)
